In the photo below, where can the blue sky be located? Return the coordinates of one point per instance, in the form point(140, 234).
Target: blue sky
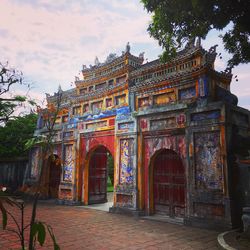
point(50, 40)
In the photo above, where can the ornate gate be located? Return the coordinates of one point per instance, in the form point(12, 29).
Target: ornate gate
point(98, 176)
point(168, 184)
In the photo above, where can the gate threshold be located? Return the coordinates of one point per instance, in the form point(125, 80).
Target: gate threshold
point(164, 218)
point(102, 207)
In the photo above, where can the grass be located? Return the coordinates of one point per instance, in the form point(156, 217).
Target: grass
point(110, 187)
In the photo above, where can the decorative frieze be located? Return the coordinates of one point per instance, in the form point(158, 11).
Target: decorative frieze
point(187, 93)
point(207, 115)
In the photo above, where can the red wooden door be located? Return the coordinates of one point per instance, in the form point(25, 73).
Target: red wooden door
point(169, 184)
point(98, 176)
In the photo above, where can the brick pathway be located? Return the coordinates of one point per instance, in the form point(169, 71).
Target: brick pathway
point(81, 228)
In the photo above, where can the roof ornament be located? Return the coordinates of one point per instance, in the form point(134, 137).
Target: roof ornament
point(77, 78)
point(127, 48)
point(110, 57)
point(97, 63)
point(141, 55)
point(212, 50)
point(190, 43)
point(60, 89)
point(198, 42)
point(84, 67)
point(228, 70)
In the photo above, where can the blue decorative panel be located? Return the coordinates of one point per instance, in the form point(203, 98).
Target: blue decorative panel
point(215, 114)
point(68, 163)
point(187, 93)
point(126, 163)
point(125, 126)
point(103, 114)
point(208, 164)
point(203, 87)
point(122, 113)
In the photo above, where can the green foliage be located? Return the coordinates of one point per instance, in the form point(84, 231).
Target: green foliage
point(110, 165)
point(110, 186)
point(19, 98)
point(14, 135)
point(175, 22)
point(10, 78)
point(38, 230)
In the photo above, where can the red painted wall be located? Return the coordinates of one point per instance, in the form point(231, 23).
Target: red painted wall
point(102, 138)
point(176, 143)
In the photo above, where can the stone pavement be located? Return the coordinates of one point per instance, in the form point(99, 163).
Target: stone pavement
point(81, 228)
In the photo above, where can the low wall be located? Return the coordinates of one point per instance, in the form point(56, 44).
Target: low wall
point(244, 183)
point(13, 172)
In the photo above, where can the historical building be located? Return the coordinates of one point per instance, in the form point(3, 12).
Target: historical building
point(168, 130)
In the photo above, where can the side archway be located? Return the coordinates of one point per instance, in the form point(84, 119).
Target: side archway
point(167, 184)
point(55, 170)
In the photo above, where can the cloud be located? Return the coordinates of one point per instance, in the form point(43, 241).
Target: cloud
point(50, 40)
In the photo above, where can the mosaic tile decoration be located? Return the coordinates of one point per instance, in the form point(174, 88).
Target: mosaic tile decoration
point(125, 125)
point(35, 162)
point(214, 114)
point(187, 93)
point(68, 163)
point(203, 86)
point(165, 98)
point(126, 166)
point(208, 164)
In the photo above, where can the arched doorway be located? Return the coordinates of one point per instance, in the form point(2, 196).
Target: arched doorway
point(101, 176)
point(54, 175)
point(167, 184)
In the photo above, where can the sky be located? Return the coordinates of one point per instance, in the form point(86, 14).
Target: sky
point(50, 40)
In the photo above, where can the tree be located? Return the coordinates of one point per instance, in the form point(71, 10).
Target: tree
point(37, 229)
point(10, 78)
point(46, 140)
point(15, 134)
point(175, 22)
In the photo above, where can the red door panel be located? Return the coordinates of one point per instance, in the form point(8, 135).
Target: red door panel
point(168, 184)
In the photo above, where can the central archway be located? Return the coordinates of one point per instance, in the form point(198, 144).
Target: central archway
point(167, 184)
point(101, 175)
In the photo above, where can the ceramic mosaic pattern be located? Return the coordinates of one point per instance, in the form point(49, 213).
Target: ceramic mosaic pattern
point(35, 163)
point(215, 114)
point(164, 98)
point(120, 99)
point(125, 125)
point(143, 102)
point(162, 123)
point(187, 93)
point(68, 163)
point(203, 87)
point(97, 106)
point(126, 165)
point(208, 163)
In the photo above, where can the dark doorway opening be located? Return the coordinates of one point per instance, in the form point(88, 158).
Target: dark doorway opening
point(54, 175)
point(101, 176)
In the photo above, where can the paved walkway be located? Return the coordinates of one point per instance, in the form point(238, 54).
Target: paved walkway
point(81, 228)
